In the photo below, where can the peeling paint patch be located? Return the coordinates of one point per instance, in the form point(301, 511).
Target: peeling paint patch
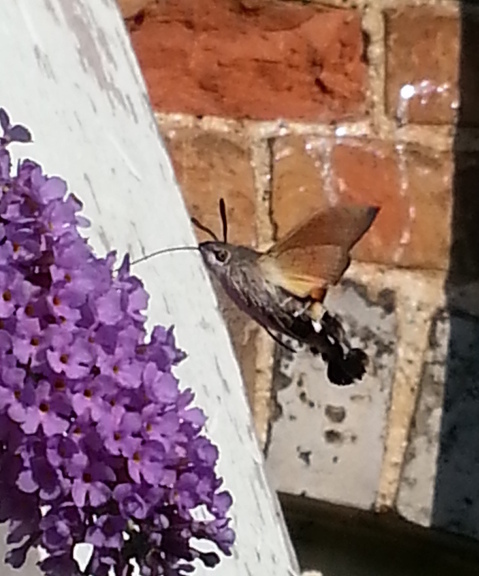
point(305, 400)
point(333, 436)
point(304, 455)
point(81, 22)
point(335, 414)
point(343, 427)
point(51, 9)
point(43, 62)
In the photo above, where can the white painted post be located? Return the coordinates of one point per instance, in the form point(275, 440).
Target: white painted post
point(69, 74)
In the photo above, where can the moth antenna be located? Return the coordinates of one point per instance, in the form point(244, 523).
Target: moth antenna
point(204, 228)
point(224, 220)
point(164, 251)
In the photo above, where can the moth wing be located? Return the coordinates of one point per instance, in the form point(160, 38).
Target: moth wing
point(305, 271)
point(315, 254)
point(338, 225)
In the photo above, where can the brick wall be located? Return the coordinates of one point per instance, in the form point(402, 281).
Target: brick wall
point(283, 107)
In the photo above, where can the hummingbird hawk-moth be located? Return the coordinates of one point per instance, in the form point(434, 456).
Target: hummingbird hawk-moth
point(284, 287)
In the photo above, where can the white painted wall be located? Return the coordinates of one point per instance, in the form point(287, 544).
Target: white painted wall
point(69, 74)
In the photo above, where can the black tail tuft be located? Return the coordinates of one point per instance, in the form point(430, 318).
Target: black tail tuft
point(344, 368)
point(346, 365)
point(348, 368)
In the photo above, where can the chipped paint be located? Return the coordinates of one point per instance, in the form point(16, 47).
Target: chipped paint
point(92, 47)
point(342, 427)
point(336, 414)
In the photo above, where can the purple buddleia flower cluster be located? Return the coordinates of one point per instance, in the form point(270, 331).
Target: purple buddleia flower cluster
point(98, 444)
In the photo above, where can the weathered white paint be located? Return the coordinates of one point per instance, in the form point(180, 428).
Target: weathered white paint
point(69, 74)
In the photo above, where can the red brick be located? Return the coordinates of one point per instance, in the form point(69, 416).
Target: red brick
point(422, 46)
point(210, 166)
point(250, 59)
point(413, 189)
point(296, 181)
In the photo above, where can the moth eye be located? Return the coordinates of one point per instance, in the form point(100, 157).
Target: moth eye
point(221, 255)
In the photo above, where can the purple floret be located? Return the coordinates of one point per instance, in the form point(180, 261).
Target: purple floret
point(98, 444)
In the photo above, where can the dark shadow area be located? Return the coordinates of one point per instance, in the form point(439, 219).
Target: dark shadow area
point(348, 542)
point(456, 491)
